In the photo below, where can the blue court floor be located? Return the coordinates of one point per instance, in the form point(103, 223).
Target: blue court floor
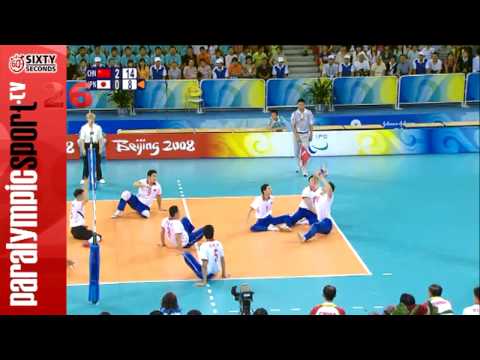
point(413, 219)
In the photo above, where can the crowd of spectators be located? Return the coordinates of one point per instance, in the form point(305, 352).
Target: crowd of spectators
point(181, 62)
point(434, 304)
point(381, 60)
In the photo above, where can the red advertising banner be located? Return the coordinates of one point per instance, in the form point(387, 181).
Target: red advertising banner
point(73, 151)
point(32, 180)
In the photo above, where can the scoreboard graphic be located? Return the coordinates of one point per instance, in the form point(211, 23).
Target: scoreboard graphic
point(114, 79)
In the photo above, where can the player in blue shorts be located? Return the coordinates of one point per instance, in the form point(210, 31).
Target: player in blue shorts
point(262, 205)
point(148, 190)
point(179, 233)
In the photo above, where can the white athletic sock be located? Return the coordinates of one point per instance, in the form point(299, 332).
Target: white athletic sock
point(272, 228)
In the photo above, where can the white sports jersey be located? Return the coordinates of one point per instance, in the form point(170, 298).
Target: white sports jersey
point(302, 121)
point(309, 193)
point(173, 227)
point(262, 208)
point(77, 214)
point(147, 194)
point(323, 205)
point(472, 310)
point(441, 304)
point(212, 251)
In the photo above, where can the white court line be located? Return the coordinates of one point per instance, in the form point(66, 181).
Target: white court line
point(351, 247)
point(378, 307)
point(295, 309)
point(387, 274)
point(274, 310)
point(228, 279)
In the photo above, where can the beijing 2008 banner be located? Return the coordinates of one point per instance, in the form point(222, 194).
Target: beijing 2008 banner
point(32, 179)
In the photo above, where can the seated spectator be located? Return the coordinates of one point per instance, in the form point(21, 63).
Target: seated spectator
point(330, 69)
point(260, 311)
point(127, 55)
point(412, 53)
point(386, 54)
point(158, 53)
point(172, 56)
point(259, 55)
point(142, 54)
point(264, 71)
point(228, 58)
point(70, 57)
point(346, 67)
point(434, 65)
point(157, 70)
point(407, 306)
point(219, 71)
point(328, 307)
point(442, 305)
point(392, 66)
point(114, 60)
point(249, 69)
point(419, 66)
point(82, 55)
point(194, 312)
point(190, 70)
point(204, 70)
point(156, 312)
point(476, 61)
point(428, 51)
point(280, 70)
point(189, 56)
point(378, 67)
point(130, 64)
point(174, 73)
point(238, 51)
point(218, 55)
point(203, 55)
point(98, 53)
point(143, 70)
point(450, 65)
point(81, 72)
point(235, 69)
point(361, 67)
point(196, 49)
point(275, 121)
point(112, 64)
point(341, 55)
point(357, 52)
point(464, 62)
point(403, 67)
point(169, 305)
point(475, 308)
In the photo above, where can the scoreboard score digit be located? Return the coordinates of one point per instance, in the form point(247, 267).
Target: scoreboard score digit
point(112, 78)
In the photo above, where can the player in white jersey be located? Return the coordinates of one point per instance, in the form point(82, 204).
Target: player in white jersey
point(212, 258)
point(77, 217)
point(178, 233)
point(435, 298)
point(306, 208)
point(302, 128)
point(262, 205)
point(148, 190)
point(475, 308)
point(323, 204)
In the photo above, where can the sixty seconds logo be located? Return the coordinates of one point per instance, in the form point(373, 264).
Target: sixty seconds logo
point(33, 63)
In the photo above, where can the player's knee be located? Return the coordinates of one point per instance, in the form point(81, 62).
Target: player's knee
point(126, 195)
point(145, 213)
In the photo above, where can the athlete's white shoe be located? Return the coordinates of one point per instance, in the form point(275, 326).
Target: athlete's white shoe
point(116, 214)
point(101, 181)
point(301, 237)
point(303, 222)
point(284, 228)
point(272, 228)
point(82, 182)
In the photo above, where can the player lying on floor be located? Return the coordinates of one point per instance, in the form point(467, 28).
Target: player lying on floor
point(323, 206)
point(262, 205)
point(77, 217)
point(148, 190)
point(178, 233)
point(211, 256)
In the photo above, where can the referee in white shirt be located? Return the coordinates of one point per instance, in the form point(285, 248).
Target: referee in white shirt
point(302, 128)
point(91, 132)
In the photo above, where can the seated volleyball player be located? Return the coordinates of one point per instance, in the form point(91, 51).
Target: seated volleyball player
point(262, 205)
point(77, 217)
point(148, 190)
point(323, 204)
point(211, 256)
point(306, 208)
point(179, 233)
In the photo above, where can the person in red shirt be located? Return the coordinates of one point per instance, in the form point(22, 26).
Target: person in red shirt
point(328, 307)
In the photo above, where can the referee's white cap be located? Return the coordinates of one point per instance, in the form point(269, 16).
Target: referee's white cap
point(219, 61)
point(331, 57)
point(281, 59)
point(157, 59)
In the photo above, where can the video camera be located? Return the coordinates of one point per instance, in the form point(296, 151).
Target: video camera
point(244, 296)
